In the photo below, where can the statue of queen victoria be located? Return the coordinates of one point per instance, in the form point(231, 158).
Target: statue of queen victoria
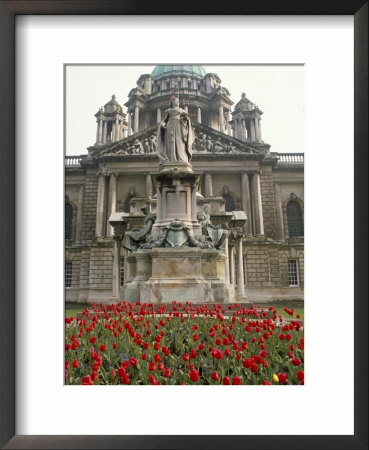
point(175, 135)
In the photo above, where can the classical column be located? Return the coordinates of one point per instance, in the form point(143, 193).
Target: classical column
point(158, 115)
point(231, 266)
point(193, 203)
point(226, 267)
point(243, 128)
point(117, 130)
point(105, 132)
point(208, 185)
point(113, 132)
point(246, 201)
point(258, 207)
point(129, 124)
point(137, 118)
point(256, 129)
point(240, 290)
point(259, 127)
point(116, 266)
point(252, 127)
point(97, 130)
point(221, 119)
point(278, 212)
point(199, 114)
point(100, 206)
point(81, 199)
point(148, 185)
point(112, 201)
point(229, 128)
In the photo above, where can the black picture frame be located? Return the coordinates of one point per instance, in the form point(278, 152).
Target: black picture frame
point(8, 11)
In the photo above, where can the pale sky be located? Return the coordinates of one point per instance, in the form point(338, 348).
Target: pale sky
point(278, 90)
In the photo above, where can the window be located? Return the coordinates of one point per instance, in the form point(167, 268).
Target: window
point(294, 219)
point(293, 278)
point(179, 84)
point(229, 202)
point(121, 273)
point(158, 87)
point(168, 85)
point(68, 274)
point(189, 85)
point(68, 220)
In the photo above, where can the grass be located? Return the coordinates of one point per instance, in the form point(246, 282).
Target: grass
point(297, 311)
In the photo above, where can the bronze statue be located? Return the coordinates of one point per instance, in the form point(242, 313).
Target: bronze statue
point(134, 239)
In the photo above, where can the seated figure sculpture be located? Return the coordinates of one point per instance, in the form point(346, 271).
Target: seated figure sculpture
point(135, 239)
point(213, 234)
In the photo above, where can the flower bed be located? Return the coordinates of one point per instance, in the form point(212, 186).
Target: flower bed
point(129, 343)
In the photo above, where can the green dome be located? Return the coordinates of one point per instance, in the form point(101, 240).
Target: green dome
point(192, 71)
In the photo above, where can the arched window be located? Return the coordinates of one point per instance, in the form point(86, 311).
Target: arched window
point(68, 220)
point(294, 219)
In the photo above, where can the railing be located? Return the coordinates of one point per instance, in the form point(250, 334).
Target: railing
point(73, 161)
point(291, 159)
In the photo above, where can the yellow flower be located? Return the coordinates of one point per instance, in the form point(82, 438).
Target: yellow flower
point(275, 378)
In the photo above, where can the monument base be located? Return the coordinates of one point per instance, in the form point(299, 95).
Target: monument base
point(184, 274)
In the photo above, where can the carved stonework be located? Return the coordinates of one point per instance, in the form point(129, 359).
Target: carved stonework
point(206, 140)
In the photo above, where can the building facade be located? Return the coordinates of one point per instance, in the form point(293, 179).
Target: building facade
point(238, 173)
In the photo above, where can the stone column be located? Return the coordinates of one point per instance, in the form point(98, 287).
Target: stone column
point(100, 206)
point(258, 208)
point(221, 119)
point(240, 290)
point(116, 266)
point(148, 185)
point(199, 114)
point(81, 199)
point(226, 268)
point(137, 118)
point(252, 127)
point(117, 130)
point(229, 128)
point(113, 132)
point(97, 130)
point(129, 124)
point(158, 115)
point(246, 201)
point(278, 212)
point(243, 128)
point(259, 127)
point(231, 266)
point(208, 185)
point(105, 131)
point(112, 201)
point(256, 129)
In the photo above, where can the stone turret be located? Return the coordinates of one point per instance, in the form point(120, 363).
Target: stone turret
point(246, 123)
point(111, 123)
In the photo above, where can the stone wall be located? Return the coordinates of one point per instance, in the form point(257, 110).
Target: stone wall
point(89, 210)
point(268, 201)
point(101, 266)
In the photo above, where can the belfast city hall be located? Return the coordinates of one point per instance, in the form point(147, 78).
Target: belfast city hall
point(225, 225)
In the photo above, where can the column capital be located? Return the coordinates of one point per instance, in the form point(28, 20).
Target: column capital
point(112, 173)
point(102, 172)
point(254, 172)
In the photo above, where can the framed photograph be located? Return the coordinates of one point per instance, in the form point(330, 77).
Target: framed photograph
point(45, 45)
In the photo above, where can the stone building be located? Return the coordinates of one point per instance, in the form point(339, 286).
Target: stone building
point(238, 172)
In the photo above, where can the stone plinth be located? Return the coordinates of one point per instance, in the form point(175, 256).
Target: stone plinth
point(185, 274)
point(176, 187)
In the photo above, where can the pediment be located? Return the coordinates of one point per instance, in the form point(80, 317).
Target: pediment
point(207, 141)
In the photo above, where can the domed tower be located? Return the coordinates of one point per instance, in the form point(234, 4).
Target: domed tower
point(246, 123)
point(200, 95)
point(111, 123)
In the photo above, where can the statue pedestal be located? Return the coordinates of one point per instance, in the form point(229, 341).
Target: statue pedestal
point(176, 186)
point(162, 275)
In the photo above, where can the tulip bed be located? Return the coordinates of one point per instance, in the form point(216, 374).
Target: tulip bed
point(139, 344)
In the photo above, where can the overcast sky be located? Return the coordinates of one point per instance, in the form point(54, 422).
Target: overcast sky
point(278, 90)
